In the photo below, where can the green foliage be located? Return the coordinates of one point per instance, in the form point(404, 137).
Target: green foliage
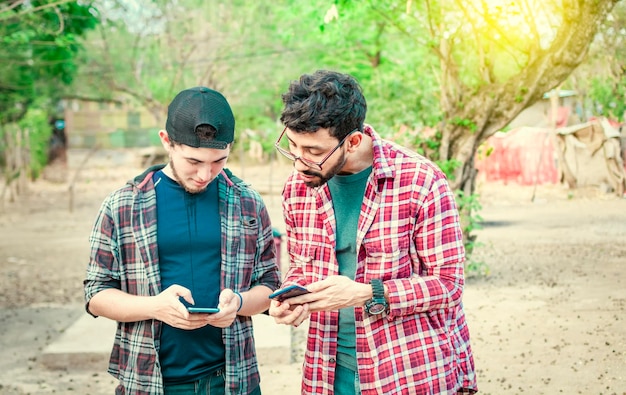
point(465, 123)
point(40, 43)
point(448, 166)
point(37, 61)
point(601, 81)
point(419, 63)
point(36, 127)
point(469, 208)
point(474, 267)
point(396, 69)
point(609, 97)
point(484, 151)
point(251, 51)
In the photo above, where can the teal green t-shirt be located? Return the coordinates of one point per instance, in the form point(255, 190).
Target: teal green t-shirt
point(347, 193)
point(189, 242)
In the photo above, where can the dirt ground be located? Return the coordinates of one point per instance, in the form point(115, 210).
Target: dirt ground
point(549, 318)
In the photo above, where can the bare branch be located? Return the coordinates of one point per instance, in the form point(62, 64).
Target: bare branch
point(61, 20)
point(12, 5)
point(530, 21)
point(4, 16)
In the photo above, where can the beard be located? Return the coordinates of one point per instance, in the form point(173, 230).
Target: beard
point(322, 178)
point(181, 182)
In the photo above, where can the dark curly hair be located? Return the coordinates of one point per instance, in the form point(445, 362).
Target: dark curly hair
point(324, 99)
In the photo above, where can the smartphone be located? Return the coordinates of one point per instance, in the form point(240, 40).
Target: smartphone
point(205, 310)
point(288, 292)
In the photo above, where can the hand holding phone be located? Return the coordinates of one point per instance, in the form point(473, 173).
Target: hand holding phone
point(289, 292)
point(204, 310)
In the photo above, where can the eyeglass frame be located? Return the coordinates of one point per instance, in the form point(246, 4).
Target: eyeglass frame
point(307, 162)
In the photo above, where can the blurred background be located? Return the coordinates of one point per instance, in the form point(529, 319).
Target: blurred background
point(520, 102)
point(443, 77)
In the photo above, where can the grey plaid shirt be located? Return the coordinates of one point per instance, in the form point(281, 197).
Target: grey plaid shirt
point(124, 251)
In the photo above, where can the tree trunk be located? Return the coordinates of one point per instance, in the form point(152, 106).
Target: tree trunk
point(16, 163)
point(472, 115)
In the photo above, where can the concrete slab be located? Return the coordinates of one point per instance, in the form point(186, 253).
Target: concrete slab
point(87, 343)
point(51, 349)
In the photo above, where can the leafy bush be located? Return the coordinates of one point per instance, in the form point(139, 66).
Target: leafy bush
point(35, 127)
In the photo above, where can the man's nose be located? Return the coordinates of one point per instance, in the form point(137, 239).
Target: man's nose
point(204, 173)
point(299, 165)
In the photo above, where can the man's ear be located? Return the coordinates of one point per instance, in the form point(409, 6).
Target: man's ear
point(165, 139)
point(354, 141)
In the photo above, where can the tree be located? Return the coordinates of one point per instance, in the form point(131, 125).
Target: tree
point(463, 70)
point(494, 59)
point(38, 52)
point(475, 111)
point(601, 80)
point(147, 55)
point(37, 59)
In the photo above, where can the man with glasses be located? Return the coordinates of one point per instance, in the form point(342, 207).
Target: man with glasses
point(373, 233)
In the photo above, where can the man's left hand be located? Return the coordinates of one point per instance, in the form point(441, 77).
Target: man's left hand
point(336, 292)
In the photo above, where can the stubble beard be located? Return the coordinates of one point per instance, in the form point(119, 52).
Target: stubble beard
point(323, 178)
point(181, 182)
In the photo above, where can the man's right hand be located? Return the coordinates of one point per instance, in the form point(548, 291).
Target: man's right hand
point(287, 314)
point(168, 308)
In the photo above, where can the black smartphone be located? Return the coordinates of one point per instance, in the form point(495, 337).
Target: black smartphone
point(205, 310)
point(288, 292)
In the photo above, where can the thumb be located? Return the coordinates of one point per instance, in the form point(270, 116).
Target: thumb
point(227, 296)
point(180, 291)
point(319, 285)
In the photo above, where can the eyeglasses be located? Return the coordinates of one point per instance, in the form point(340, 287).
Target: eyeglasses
point(307, 162)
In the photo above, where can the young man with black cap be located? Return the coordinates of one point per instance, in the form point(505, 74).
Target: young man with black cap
point(186, 234)
point(373, 233)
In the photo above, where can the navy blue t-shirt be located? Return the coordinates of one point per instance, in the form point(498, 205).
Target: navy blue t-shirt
point(189, 242)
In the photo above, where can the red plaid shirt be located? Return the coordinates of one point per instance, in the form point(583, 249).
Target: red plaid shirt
point(409, 236)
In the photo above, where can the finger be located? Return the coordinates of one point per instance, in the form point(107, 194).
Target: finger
point(226, 297)
point(304, 314)
point(190, 325)
point(290, 317)
point(275, 304)
point(320, 285)
point(223, 321)
point(183, 311)
point(198, 317)
point(277, 309)
point(181, 291)
point(283, 315)
point(302, 299)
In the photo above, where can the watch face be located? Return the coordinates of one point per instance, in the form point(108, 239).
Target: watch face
point(378, 303)
point(376, 308)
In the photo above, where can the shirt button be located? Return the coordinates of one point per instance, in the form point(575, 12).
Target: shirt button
point(332, 360)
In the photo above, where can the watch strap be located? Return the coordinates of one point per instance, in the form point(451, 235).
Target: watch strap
point(378, 289)
point(378, 304)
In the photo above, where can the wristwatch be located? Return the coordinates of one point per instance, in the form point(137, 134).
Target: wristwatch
point(378, 303)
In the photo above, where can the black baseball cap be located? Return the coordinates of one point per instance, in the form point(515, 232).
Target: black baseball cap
point(198, 106)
